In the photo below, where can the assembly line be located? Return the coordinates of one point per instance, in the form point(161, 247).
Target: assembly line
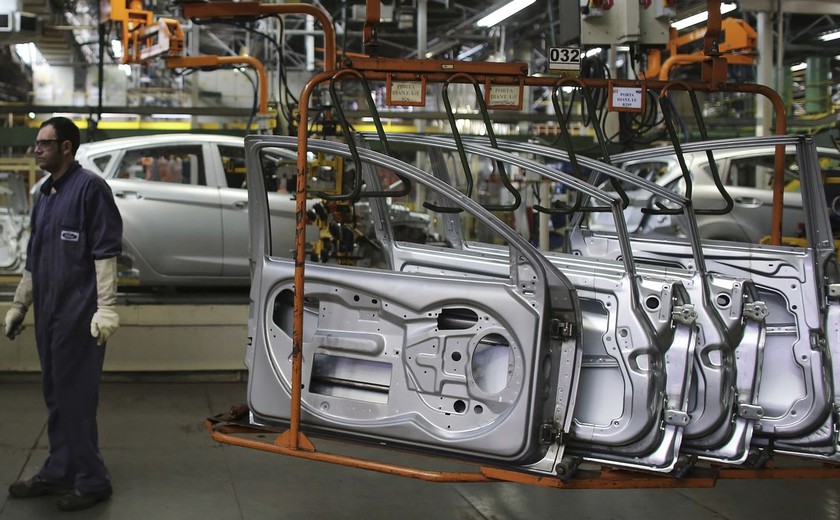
point(468, 306)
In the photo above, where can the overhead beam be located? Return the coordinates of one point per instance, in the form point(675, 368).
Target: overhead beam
point(138, 110)
point(831, 7)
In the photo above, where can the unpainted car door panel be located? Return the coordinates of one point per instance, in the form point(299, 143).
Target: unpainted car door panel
point(796, 388)
point(385, 354)
point(430, 361)
point(624, 372)
point(720, 329)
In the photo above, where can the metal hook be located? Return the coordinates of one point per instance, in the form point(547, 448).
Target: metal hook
point(567, 141)
point(517, 197)
point(666, 106)
point(357, 192)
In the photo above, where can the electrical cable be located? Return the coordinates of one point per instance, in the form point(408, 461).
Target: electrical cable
point(254, 105)
point(287, 97)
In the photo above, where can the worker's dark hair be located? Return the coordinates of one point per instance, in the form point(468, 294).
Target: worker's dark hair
point(65, 130)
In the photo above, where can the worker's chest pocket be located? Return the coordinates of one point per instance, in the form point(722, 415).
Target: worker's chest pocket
point(71, 239)
point(70, 235)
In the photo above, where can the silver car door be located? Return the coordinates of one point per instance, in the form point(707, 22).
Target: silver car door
point(753, 207)
point(797, 394)
point(172, 223)
point(233, 197)
point(480, 369)
point(234, 206)
point(619, 415)
point(730, 328)
point(731, 337)
point(14, 222)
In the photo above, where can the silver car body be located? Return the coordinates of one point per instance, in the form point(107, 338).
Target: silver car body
point(184, 204)
point(741, 171)
point(184, 207)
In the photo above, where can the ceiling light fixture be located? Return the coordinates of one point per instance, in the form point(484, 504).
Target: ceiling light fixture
point(798, 67)
point(701, 17)
point(470, 52)
point(117, 48)
point(439, 47)
point(29, 53)
point(833, 35)
point(171, 116)
point(503, 12)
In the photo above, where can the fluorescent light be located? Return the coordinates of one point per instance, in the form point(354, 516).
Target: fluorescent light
point(439, 47)
point(118, 117)
point(503, 12)
point(469, 52)
point(700, 17)
point(593, 52)
point(29, 53)
point(171, 116)
point(798, 67)
point(116, 46)
point(833, 35)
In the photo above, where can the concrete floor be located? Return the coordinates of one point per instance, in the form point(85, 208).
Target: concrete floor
point(164, 465)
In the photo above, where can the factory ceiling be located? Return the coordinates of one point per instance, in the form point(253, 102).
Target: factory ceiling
point(68, 30)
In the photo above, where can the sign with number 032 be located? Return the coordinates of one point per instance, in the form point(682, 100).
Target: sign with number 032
point(564, 58)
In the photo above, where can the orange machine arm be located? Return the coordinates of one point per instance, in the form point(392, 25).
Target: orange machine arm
point(133, 17)
point(195, 62)
point(738, 47)
point(221, 10)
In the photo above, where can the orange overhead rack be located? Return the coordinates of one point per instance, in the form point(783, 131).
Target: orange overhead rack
point(223, 10)
point(381, 69)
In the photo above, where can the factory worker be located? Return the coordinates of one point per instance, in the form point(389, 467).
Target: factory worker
point(70, 281)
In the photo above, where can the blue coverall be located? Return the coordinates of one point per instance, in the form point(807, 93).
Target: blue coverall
point(75, 221)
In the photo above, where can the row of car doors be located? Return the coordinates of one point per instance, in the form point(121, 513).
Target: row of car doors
point(624, 349)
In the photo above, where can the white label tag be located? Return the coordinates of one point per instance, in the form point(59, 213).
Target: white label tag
point(504, 95)
point(406, 92)
point(627, 98)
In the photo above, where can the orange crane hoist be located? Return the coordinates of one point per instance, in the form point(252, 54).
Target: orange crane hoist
point(737, 48)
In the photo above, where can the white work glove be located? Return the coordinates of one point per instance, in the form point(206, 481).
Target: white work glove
point(20, 304)
point(105, 320)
